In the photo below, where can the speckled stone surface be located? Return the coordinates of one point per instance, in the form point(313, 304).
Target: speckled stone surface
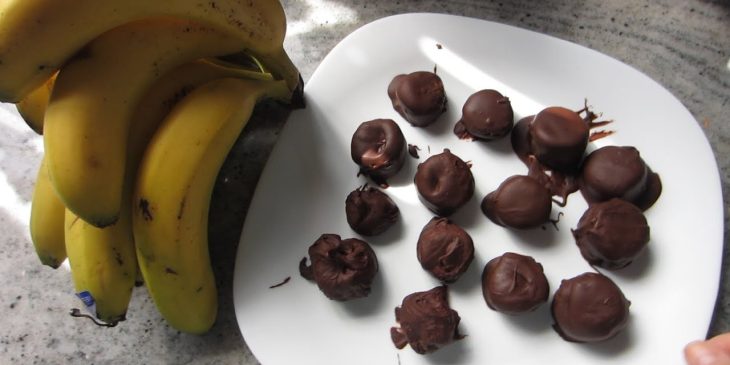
point(684, 45)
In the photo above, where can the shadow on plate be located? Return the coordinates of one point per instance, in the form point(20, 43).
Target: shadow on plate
point(502, 146)
point(373, 303)
point(543, 237)
point(442, 126)
point(470, 215)
point(456, 352)
point(471, 279)
point(537, 321)
point(640, 267)
point(610, 348)
point(393, 234)
point(405, 176)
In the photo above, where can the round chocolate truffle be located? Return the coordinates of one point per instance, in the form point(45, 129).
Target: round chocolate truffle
point(514, 284)
point(444, 183)
point(418, 97)
point(558, 138)
point(342, 269)
point(619, 172)
point(612, 234)
point(589, 308)
point(370, 211)
point(520, 202)
point(486, 115)
point(426, 321)
point(444, 249)
point(379, 148)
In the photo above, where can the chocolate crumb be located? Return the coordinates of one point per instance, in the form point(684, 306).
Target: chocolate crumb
point(286, 280)
point(413, 150)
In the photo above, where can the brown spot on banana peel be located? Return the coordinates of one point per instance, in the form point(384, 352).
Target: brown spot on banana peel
point(170, 271)
point(118, 257)
point(144, 206)
point(93, 162)
point(182, 208)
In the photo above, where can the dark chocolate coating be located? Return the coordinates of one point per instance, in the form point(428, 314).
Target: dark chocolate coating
point(514, 284)
point(558, 138)
point(419, 97)
point(520, 138)
point(589, 308)
point(612, 234)
point(520, 202)
point(619, 172)
point(342, 269)
point(370, 211)
point(379, 148)
point(426, 321)
point(444, 183)
point(486, 115)
point(444, 249)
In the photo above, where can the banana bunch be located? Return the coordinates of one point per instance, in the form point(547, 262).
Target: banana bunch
point(139, 103)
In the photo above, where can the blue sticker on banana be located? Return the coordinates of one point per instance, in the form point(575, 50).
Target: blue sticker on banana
point(88, 300)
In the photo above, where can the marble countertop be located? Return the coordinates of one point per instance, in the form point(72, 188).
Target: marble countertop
point(683, 45)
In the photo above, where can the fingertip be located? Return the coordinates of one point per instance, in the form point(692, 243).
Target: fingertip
point(700, 353)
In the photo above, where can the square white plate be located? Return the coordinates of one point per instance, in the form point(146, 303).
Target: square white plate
point(302, 191)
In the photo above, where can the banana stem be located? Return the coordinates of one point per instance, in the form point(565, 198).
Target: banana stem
point(281, 66)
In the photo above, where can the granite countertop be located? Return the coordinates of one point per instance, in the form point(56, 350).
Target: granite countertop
point(683, 45)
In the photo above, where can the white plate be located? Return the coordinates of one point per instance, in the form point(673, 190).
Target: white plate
point(302, 191)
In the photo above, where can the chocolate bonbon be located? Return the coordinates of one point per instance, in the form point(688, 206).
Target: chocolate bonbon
point(486, 115)
point(558, 138)
point(419, 97)
point(589, 308)
point(426, 321)
point(612, 234)
point(370, 211)
point(514, 284)
point(342, 269)
point(444, 183)
point(444, 249)
point(519, 202)
point(379, 148)
point(619, 172)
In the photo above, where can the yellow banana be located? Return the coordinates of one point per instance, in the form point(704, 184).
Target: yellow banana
point(33, 106)
point(173, 191)
point(103, 260)
point(103, 264)
point(46, 221)
point(87, 122)
point(38, 36)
